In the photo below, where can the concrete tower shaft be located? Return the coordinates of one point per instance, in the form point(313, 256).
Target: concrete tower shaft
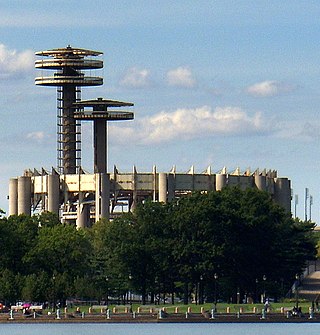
point(68, 63)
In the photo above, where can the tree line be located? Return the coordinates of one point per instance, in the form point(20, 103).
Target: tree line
point(224, 245)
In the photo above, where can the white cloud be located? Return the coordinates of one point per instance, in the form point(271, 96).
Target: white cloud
point(37, 136)
point(298, 130)
point(311, 130)
point(269, 88)
point(181, 77)
point(136, 78)
point(185, 124)
point(13, 63)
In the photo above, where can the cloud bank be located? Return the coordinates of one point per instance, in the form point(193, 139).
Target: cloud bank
point(136, 78)
point(15, 64)
point(181, 77)
point(187, 124)
point(295, 130)
point(268, 88)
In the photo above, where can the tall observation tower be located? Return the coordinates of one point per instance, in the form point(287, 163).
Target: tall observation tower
point(69, 64)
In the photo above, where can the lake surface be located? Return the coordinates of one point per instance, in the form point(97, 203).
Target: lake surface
point(161, 329)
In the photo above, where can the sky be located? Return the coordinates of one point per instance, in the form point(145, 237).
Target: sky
point(214, 83)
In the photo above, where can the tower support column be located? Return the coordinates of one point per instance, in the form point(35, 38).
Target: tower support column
point(163, 188)
point(100, 145)
point(221, 181)
point(24, 195)
point(13, 196)
point(53, 193)
point(102, 200)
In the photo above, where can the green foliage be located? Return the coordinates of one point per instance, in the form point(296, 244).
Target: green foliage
point(36, 287)
point(9, 284)
point(159, 249)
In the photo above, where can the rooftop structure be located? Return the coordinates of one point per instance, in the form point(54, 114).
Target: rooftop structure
point(91, 197)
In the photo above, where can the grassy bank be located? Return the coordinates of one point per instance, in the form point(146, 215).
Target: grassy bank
point(221, 307)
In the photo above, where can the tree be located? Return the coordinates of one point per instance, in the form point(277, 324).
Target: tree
point(133, 250)
point(241, 235)
point(36, 287)
point(63, 253)
point(9, 286)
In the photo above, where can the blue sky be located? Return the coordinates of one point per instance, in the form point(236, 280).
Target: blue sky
point(220, 83)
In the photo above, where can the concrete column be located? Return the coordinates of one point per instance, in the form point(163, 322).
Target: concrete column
point(53, 193)
point(100, 146)
point(221, 181)
point(24, 195)
point(83, 213)
point(80, 222)
point(154, 184)
point(260, 182)
point(105, 195)
point(282, 193)
point(102, 196)
point(13, 196)
point(163, 187)
point(134, 190)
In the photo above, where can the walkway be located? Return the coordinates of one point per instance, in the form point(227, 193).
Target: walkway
point(310, 288)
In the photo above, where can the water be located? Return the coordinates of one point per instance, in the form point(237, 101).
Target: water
point(161, 329)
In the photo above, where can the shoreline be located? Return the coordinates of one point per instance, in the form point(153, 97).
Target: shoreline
point(154, 318)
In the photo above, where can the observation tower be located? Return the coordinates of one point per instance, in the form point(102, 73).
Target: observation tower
point(100, 114)
point(69, 64)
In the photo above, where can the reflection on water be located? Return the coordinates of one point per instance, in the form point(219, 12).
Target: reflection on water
point(161, 329)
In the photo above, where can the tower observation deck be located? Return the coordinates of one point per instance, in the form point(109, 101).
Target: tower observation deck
point(69, 64)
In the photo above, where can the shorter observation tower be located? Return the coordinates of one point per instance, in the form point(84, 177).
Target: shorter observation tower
point(69, 64)
point(99, 114)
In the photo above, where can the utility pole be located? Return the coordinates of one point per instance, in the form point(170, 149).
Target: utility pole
point(306, 204)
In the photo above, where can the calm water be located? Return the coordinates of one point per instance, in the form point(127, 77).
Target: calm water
point(160, 329)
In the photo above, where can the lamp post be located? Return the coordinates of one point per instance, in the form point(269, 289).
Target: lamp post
point(264, 278)
point(200, 290)
point(54, 292)
point(257, 293)
point(129, 293)
point(107, 297)
point(297, 291)
point(215, 290)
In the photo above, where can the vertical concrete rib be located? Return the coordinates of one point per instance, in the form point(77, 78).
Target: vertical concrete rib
point(282, 193)
point(260, 182)
point(83, 213)
point(24, 195)
point(221, 181)
point(53, 193)
point(13, 196)
point(163, 188)
point(102, 195)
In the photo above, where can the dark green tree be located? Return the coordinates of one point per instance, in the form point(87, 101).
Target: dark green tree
point(63, 253)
